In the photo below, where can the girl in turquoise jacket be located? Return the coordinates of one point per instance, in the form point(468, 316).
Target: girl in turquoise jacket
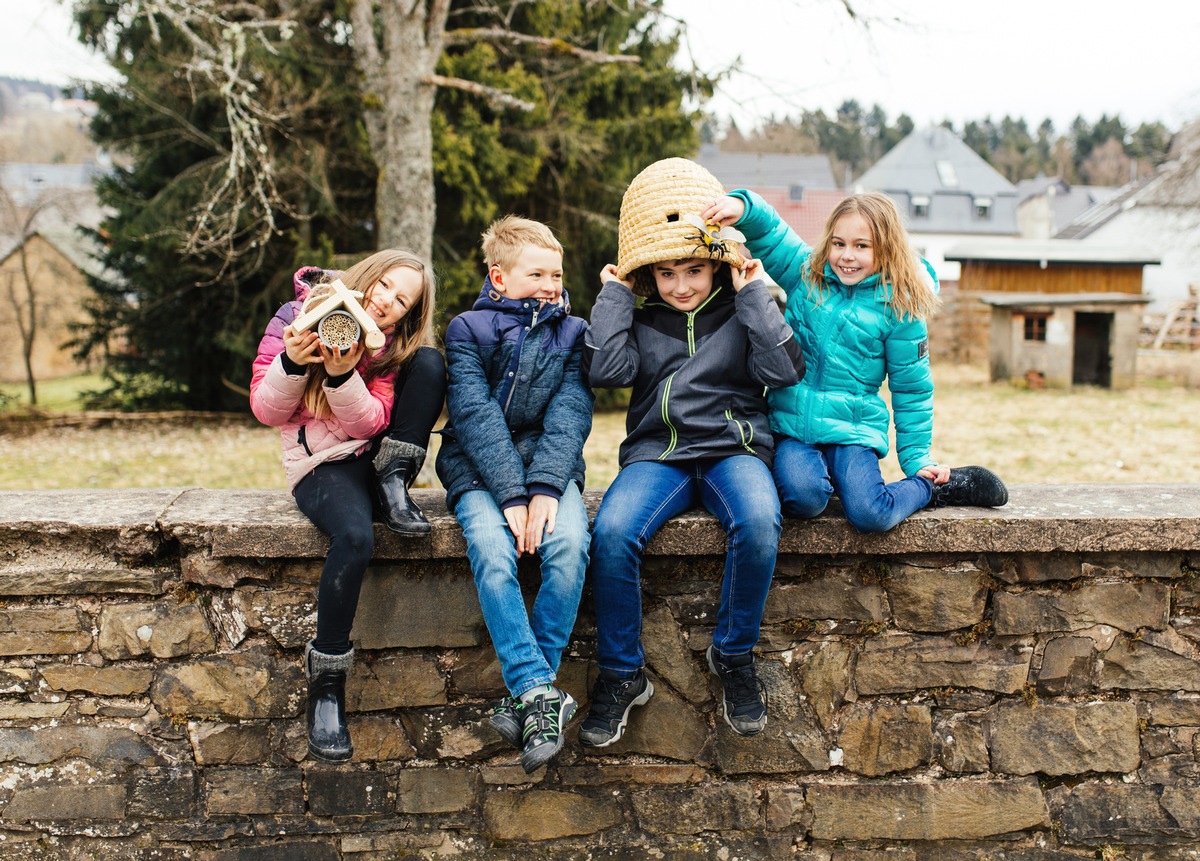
point(858, 304)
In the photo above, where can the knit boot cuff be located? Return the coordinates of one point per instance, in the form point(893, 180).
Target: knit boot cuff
point(392, 451)
point(316, 663)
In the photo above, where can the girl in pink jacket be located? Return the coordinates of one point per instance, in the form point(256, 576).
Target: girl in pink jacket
point(346, 450)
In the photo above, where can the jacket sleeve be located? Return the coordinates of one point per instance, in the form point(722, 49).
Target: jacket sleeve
point(478, 420)
point(274, 395)
point(770, 239)
point(612, 359)
point(362, 410)
point(565, 426)
point(775, 360)
point(911, 385)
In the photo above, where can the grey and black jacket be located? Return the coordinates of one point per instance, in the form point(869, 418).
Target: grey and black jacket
point(699, 378)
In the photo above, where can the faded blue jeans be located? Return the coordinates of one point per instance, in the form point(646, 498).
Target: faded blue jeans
point(807, 475)
point(740, 494)
point(529, 645)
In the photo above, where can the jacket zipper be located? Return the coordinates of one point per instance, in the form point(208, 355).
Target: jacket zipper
point(691, 341)
point(516, 365)
point(742, 431)
point(815, 385)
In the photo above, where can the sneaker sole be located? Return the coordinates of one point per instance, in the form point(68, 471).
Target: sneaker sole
point(640, 700)
point(725, 706)
point(534, 760)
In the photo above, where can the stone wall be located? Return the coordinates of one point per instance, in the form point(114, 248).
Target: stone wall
point(1021, 683)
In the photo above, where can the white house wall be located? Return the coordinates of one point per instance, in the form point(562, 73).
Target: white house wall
point(1173, 234)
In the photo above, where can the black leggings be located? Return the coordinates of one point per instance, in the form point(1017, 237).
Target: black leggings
point(336, 497)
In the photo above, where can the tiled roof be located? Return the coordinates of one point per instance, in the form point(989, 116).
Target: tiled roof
point(806, 216)
point(933, 160)
point(767, 170)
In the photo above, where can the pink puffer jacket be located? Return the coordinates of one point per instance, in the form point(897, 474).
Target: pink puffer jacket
point(360, 410)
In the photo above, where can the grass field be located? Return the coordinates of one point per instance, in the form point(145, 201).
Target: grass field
point(1147, 434)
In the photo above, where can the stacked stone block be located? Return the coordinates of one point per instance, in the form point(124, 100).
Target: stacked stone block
point(1022, 683)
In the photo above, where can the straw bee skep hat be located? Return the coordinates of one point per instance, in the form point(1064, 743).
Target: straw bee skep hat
point(660, 218)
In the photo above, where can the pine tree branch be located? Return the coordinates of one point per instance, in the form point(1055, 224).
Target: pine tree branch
point(492, 94)
point(499, 34)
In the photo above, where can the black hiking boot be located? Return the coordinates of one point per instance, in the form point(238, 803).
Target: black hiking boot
point(613, 698)
point(744, 703)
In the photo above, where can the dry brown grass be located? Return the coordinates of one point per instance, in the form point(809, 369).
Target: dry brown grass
point(1147, 434)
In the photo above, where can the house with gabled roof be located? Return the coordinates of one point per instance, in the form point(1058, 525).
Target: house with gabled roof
point(1160, 212)
point(58, 261)
point(945, 192)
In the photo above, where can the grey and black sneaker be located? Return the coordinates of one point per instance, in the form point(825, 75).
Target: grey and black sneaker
point(545, 717)
point(507, 717)
point(970, 485)
point(744, 703)
point(613, 698)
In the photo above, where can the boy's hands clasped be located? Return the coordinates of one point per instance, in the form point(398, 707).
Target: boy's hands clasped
point(531, 523)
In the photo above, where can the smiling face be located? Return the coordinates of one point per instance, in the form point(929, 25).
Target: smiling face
point(684, 284)
point(393, 296)
point(537, 274)
point(851, 249)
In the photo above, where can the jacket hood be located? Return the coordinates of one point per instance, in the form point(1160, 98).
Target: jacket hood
point(307, 277)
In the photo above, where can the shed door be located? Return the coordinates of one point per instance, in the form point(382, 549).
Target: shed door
point(1093, 351)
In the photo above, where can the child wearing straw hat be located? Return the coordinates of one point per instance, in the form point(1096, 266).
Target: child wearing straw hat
point(691, 326)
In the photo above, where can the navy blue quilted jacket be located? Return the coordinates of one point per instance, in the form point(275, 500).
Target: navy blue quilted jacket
point(519, 409)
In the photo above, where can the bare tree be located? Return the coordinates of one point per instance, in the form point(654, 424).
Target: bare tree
point(396, 45)
point(28, 287)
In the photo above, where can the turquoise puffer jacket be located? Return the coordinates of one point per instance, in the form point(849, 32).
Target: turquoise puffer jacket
point(852, 341)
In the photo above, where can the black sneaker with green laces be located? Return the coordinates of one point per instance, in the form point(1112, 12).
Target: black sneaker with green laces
point(545, 716)
point(744, 703)
point(507, 717)
point(613, 698)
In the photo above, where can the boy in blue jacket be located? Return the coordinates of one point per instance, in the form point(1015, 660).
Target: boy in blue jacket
point(511, 460)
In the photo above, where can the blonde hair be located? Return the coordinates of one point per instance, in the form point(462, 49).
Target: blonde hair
point(895, 261)
point(505, 239)
point(413, 331)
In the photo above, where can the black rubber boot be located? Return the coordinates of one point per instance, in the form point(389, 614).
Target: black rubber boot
point(328, 734)
point(396, 467)
point(971, 485)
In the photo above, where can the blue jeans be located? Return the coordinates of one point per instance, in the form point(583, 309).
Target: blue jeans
point(739, 492)
point(529, 645)
point(807, 475)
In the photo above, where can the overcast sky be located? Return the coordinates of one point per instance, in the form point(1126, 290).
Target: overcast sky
point(944, 59)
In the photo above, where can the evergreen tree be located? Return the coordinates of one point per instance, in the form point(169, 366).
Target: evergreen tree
point(588, 129)
point(190, 321)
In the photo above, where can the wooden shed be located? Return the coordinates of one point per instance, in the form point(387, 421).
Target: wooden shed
point(1062, 313)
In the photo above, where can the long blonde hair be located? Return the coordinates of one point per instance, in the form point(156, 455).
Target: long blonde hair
point(895, 261)
point(413, 331)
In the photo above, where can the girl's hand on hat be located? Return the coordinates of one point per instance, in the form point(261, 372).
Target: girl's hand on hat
point(301, 347)
point(609, 273)
point(751, 271)
point(725, 210)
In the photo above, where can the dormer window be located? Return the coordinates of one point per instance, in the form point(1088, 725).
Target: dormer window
point(983, 207)
point(920, 206)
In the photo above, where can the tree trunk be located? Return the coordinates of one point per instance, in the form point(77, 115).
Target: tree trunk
point(29, 332)
point(400, 112)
